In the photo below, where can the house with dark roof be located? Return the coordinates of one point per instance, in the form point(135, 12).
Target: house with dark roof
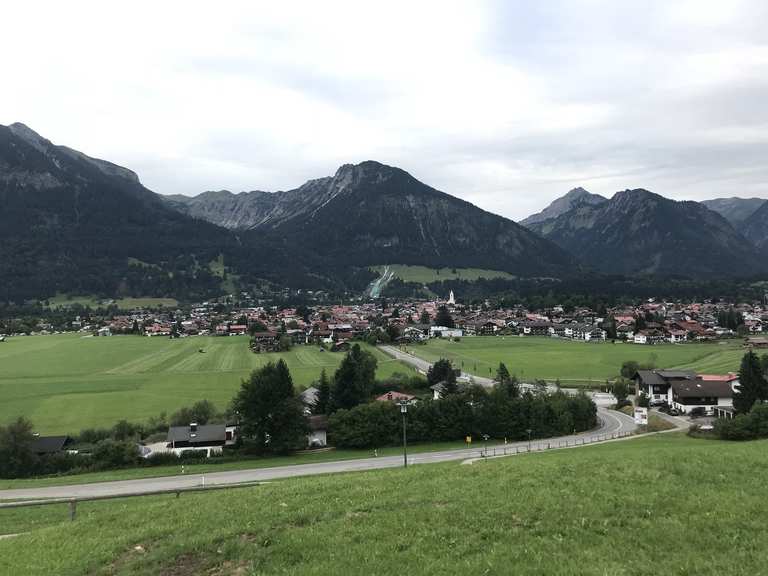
point(209, 437)
point(706, 395)
point(657, 384)
point(43, 445)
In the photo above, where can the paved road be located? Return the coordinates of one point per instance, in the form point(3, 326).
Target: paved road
point(423, 365)
point(612, 423)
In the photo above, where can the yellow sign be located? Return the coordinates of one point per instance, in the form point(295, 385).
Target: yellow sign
point(469, 439)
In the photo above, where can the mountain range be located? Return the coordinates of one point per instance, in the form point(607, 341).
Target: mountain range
point(639, 232)
point(75, 224)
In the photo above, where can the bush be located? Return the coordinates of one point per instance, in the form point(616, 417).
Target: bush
point(472, 413)
point(193, 455)
point(161, 459)
point(115, 454)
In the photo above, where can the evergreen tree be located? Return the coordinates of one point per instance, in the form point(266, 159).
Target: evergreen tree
point(323, 402)
point(16, 456)
point(752, 384)
point(502, 374)
point(354, 379)
point(444, 318)
point(271, 416)
point(425, 318)
point(443, 372)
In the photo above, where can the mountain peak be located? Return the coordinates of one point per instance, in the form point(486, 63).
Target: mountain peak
point(29, 136)
point(574, 197)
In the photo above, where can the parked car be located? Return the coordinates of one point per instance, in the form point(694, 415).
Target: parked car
point(697, 412)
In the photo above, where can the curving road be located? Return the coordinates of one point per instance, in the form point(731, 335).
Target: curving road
point(612, 424)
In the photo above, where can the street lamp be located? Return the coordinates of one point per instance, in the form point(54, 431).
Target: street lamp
point(404, 412)
point(529, 438)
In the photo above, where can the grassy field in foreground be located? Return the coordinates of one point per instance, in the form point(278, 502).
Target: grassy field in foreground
point(549, 358)
point(665, 504)
point(64, 383)
point(425, 275)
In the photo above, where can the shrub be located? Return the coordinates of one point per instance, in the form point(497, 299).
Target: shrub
point(193, 455)
point(115, 454)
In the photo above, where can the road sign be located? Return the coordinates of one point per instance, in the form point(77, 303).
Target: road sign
point(641, 416)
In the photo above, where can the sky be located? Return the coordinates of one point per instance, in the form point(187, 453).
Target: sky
point(505, 104)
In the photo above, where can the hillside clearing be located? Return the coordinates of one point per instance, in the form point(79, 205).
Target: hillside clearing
point(424, 275)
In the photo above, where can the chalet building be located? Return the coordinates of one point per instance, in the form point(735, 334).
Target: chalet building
point(209, 437)
point(536, 328)
point(649, 336)
point(701, 394)
point(265, 341)
point(657, 384)
point(395, 397)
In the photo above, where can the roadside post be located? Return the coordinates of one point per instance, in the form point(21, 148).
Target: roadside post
point(404, 412)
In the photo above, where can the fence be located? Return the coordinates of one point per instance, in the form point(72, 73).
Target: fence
point(72, 502)
point(541, 445)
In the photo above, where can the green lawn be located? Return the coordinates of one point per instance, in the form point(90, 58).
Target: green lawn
point(64, 383)
point(548, 358)
point(665, 504)
point(425, 275)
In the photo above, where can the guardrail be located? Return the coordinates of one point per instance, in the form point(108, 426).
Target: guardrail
point(543, 445)
point(73, 501)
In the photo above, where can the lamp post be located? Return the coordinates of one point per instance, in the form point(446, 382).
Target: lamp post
point(404, 412)
point(529, 438)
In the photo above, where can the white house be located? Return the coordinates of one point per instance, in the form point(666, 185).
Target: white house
point(445, 332)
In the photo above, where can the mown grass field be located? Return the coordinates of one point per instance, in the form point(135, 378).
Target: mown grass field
point(665, 504)
point(64, 383)
point(547, 358)
point(424, 275)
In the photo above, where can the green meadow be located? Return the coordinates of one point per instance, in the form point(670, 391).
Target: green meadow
point(664, 504)
point(65, 300)
point(64, 383)
point(425, 275)
point(574, 362)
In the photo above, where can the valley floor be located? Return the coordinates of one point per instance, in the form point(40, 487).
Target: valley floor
point(572, 362)
point(65, 383)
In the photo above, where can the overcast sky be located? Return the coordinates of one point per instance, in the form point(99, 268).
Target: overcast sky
point(505, 104)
